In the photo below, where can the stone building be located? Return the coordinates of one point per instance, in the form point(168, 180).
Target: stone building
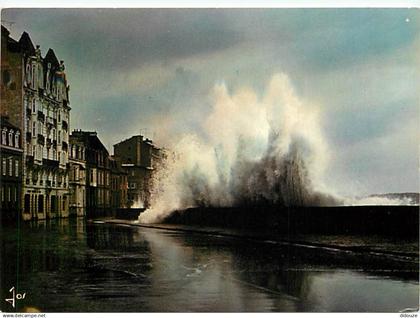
point(34, 96)
point(77, 177)
point(11, 154)
point(119, 185)
point(98, 173)
point(138, 157)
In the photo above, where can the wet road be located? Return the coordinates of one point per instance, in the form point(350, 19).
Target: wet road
point(70, 265)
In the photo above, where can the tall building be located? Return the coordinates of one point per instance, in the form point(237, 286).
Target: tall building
point(34, 96)
point(139, 158)
point(119, 185)
point(77, 177)
point(98, 173)
point(10, 170)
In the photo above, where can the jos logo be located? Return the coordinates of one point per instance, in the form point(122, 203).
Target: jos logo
point(15, 297)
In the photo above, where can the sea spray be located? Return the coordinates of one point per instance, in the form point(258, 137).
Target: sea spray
point(267, 150)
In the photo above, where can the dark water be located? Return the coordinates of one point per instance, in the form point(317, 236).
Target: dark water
point(69, 265)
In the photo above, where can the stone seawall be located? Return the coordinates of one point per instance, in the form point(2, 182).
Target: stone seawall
point(398, 221)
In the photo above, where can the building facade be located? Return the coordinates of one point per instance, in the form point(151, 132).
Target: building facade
point(98, 173)
point(77, 177)
point(11, 154)
point(139, 158)
point(119, 185)
point(35, 99)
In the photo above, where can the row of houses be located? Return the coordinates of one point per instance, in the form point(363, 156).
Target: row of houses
point(46, 171)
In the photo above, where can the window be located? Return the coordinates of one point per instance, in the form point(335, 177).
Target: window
point(33, 129)
point(4, 166)
point(11, 138)
point(28, 73)
point(59, 136)
point(3, 137)
point(17, 139)
point(39, 128)
point(17, 168)
point(33, 76)
point(33, 106)
point(34, 151)
point(11, 167)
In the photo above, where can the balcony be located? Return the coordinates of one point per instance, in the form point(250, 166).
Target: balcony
point(64, 125)
point(50, 163)
point(41, 139)
point(41, 116)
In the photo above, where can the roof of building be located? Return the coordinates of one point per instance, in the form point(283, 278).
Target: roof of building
point(26, 43)
point(90, 138)
point(6, 123)
point(12, 44)
point(50, 57)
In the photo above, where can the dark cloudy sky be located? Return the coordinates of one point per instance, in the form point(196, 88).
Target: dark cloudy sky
point(131, 69)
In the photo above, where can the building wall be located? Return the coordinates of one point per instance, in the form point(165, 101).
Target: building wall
point(98, 174)
point(138, 157)
point(10, 173)
point(77, 179)
point(129, 150)
point(46, 116)
point(11, 80)
point(39, 105)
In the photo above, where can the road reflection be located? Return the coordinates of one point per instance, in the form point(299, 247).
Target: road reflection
point(68, 265)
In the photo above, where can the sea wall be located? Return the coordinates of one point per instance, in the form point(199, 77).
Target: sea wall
point(398, 221)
